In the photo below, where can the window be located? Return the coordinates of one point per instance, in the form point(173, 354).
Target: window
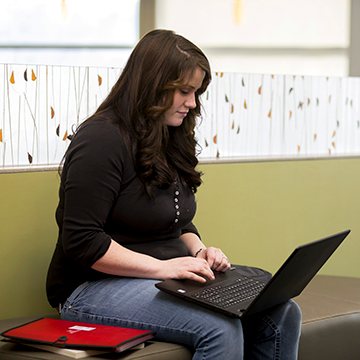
point(68, 32)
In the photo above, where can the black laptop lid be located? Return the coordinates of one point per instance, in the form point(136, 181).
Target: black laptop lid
point(297, 271)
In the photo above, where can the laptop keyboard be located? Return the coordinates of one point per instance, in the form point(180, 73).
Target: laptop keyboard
point(237, 291)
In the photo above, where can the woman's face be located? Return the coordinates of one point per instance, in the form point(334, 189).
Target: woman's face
point(184, 99)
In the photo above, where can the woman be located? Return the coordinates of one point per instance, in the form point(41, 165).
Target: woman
point(125, 211)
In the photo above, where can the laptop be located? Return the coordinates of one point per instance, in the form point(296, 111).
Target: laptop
point(240, 296)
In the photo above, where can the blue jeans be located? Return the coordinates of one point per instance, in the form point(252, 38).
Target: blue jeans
point(136, 303)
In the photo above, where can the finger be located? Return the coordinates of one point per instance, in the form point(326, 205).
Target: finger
point(197, 277)
point(205, 270)
point(195, 269)
point(223, 265)
point(210, 256)
point(216, 258)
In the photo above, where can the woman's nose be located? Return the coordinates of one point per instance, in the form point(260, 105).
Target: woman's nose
point(191, 101)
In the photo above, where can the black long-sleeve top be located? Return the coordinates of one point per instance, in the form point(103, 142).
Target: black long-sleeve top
point(102, 198)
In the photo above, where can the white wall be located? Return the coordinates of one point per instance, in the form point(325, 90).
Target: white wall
point(305, 37)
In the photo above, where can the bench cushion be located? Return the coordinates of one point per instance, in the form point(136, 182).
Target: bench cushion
point(331, 319)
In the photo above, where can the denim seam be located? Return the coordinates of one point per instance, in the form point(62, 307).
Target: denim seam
point(277, 336)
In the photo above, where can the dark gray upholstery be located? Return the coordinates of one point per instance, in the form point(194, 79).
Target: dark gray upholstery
point(331, 319)
point(330, 329)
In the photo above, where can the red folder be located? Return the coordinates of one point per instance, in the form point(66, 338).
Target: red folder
point(77, 335)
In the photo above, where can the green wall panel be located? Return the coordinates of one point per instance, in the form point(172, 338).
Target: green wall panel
point(257, 212)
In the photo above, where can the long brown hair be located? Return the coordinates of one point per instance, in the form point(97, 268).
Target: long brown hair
point(160, 63)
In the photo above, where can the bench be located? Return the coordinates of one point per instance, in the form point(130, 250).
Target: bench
point(330, 328)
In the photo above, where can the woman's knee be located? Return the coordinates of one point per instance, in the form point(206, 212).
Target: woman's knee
point(222, 338)
point(228, 329)
point(293, 314)
point(283, 320)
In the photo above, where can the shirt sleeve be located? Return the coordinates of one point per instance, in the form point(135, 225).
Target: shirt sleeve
point(190, 228)
point(91, 181)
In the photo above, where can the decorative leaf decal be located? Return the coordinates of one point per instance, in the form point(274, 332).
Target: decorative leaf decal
point(25, 75)
point(206, 143)
point(52, 112)
point(333, 144)
point(58, 130)
point(232, 108)
point(290, 114)
point(308, 102)
point(99, 80)
point(259, 91)
point(63, 10)
point(315, 136)
point(30, 158)
point(217, 154)
point(334, 133)
point(245, 105)
point(226, 98)
point(65, 136)
point(298, 148)
point(1, 139)
point(12, 78)
point(33, 76)
point(242, 82)
point(237, 11)
point(291, 89)
point(269, 115)
point(215, 139)
point(233, 126)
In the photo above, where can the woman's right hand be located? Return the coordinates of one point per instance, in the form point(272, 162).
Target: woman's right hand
point(121, 261)
point(186, 267)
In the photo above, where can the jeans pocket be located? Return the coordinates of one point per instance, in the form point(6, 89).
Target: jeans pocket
point(76, 295)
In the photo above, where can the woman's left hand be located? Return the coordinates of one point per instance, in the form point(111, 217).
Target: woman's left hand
point(216, 259)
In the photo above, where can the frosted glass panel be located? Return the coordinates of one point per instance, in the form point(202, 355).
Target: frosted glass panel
point(41, 107)
point(252, 116)
point(246, 116)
